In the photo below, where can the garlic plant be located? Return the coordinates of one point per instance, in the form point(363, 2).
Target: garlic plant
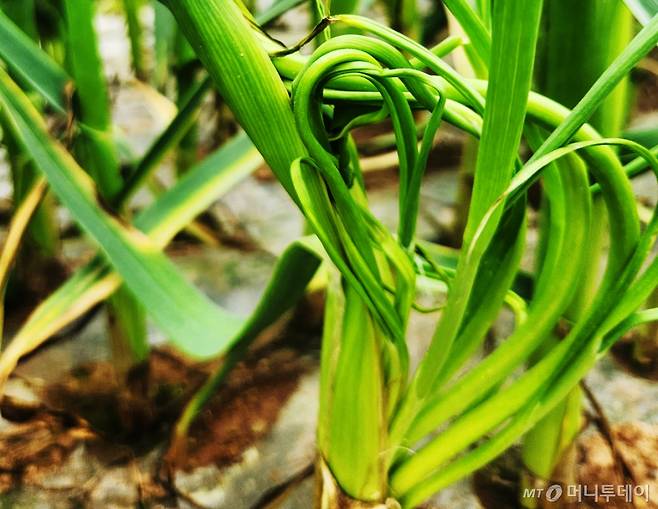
point(388, 433)
point(378, 422)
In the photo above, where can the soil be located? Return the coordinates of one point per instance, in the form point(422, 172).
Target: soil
point(119, 424)
point(30, 284)
point(497, 485)
point(624, 355)
point(646, 82)
point(637, 443)
point(136, 413)
point(40, 439)
point(244, 411)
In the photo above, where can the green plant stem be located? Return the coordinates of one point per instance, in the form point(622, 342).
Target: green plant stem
point(41, 242)
point(94, 144)
point(356, 417)
point(136, 36)
point(567, 71)
point(187, 80)
point(169, 138)
point(506, 114)
point(164, 32)
point(96, 150)
point(224, 41)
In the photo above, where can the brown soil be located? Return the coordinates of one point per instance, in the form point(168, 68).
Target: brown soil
point(646, 82)
point(497, 485)
point(29, 285)
point(120, 424)
point(647, 91)
point(135, 413)
point(624, 354)
point(40, 438)
point(245, 409)
point(637, 443)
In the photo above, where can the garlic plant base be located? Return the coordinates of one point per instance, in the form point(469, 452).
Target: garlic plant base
point(565, 474)
point(330, 496)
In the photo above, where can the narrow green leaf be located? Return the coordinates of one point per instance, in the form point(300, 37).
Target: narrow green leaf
point(293, 272)
point(477, 31)
point(127, 330)
point(24, 14)
point(136, 36)
point(94, 145)
point(643, 10)
point(640, 46)
point(495, 276)
point(194, 323)
point(224, 41)
point(515, 29)
point(169, 214)
point(580, 42)
point(164, 31)
point(167, 140)
point(344, 6)
point(26, 60)
point(84, 63)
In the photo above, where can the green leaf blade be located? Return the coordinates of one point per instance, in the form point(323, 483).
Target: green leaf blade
point(643, 10)
point(515, 31)
point(25, 58)
point(193, 322)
